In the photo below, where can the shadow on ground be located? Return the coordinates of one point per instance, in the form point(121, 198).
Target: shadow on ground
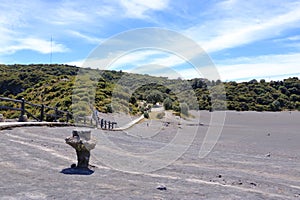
point(77, 171)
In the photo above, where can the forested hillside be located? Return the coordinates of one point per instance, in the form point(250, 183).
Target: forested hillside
point(52, 85)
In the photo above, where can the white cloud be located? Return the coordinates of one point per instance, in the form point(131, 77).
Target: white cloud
point(236, 30)
point(90, 39)
point(137, 8)
point(288, 40)
point(19, 29)
point(155, 70)
point(214, 25)
point(267, 67)
point(148, 57)
point(70, 13)
point(117, 60)
point(33, 44)
point(294, 38)
point(78, 63)
point(23, 24)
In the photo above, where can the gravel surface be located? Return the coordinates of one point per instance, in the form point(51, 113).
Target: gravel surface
point(256, 157)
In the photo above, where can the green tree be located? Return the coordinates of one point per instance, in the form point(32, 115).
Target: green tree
point(184, 109)
point(132, 100)
point(275, 106)
point(167, 104)
point(146, 115)
point(155, 96)
point(295, 97)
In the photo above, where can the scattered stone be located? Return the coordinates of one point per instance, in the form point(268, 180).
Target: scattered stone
point(2, 118)
point(161, 187)
point(254, 184)
point(219, 176)
point(23, 118)
point(269, 134)
point(239, 182)
point(268, 154)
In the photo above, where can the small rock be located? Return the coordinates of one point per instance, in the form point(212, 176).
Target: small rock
point(161, 187)
point(268, 155)
point(269, 134)
point(254, 184)
point(219, 176)
point(23, 118)
point(73, 165)
point(238, 183)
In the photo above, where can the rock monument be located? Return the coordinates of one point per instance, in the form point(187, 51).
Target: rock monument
point(82, 142)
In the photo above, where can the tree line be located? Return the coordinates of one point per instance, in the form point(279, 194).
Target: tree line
point(53, 85)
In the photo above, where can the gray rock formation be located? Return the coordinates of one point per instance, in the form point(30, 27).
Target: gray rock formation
point(82, 142)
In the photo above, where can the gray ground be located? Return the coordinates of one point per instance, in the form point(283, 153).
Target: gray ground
point(256, 157)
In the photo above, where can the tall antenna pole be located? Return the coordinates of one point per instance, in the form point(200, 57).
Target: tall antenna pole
point(51, 50)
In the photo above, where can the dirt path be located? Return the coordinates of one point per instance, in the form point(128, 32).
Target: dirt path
point(257, 157)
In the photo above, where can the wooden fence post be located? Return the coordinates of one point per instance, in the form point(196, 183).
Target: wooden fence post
point(68, 117)
point(102, 123)
point(114, 123)
point(42, 113)
point(23, 107)
point(56, 114)
point(22, 115)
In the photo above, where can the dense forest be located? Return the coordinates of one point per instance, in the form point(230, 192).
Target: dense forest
point(54, 85)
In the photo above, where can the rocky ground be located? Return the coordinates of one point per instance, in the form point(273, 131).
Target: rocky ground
point(256, 157)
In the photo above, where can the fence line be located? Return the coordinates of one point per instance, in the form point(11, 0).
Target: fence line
point(94, 120)
point(23, 111)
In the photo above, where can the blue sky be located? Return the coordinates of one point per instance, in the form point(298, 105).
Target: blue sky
point(245, 39)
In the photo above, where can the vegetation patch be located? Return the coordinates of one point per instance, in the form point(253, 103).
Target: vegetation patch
point(160, 115)
point(53, 85)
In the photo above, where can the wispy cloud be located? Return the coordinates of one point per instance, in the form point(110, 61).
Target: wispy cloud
point(90, 39)
point(78, 63)
point(19, 29)
point(267, 67)
point(240, 29)
point(219, 26)
point(294, 38)
point(138, 9)
point(149, 58)
point(23, 25)
point(33, 44)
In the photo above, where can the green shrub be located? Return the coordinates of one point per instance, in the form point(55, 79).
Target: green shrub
point(167, 104)
point(184, 109)
point(146, 115)
point(160, 115)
